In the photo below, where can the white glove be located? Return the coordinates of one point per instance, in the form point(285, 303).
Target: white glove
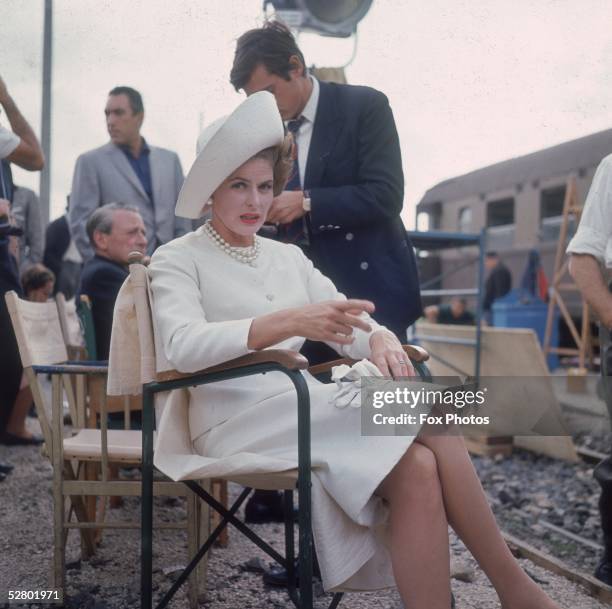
point(348, 381)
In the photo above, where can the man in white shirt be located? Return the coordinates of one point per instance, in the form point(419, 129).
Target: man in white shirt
point(590, 264)
point(20, 146)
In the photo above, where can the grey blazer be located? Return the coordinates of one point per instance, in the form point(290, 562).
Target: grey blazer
point(28, 216)
point(104, 175)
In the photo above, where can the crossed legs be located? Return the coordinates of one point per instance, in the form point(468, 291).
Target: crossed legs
point(432, 486)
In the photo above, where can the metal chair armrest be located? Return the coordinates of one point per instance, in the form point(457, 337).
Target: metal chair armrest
point(90, 368)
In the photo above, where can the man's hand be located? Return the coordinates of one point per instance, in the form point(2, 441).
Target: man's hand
point(5, 207)
point(287, 207)
point(389, 356)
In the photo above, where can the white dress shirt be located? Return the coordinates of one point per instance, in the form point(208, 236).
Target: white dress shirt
point(304, 135)
point(594, 234)
point(8, 142)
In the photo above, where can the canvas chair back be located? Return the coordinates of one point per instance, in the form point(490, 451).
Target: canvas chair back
point(41, 343)
point(144, 318)
point(71, 327)
point(152, 358)
point(79, 334)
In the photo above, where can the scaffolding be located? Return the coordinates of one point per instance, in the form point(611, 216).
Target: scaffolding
point(429, 241)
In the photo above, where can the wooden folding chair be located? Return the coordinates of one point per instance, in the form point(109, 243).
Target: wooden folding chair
point(92, 389)
point(42, 350)
point(267, 360)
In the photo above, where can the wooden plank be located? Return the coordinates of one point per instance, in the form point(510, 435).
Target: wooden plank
point(487, 450)
point(123, 488)
point(136, 524)
point(594, 587)
point(499, 350)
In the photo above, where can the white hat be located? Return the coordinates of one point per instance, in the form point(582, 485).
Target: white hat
point(225, 145)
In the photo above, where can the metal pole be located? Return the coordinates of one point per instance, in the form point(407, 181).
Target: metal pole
point(45, 174)
point(480, 303)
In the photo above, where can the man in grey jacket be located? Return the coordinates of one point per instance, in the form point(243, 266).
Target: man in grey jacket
point(128, 170)
point(28, 216)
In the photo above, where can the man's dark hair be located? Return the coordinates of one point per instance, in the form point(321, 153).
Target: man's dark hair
point(133, 96)
point(271, 45)
point(492, 255)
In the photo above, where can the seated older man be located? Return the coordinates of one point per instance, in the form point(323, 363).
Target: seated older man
point(114, 231)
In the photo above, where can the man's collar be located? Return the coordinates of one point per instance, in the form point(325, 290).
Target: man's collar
point(310, 109)
point(101, 256)
point(144, 149)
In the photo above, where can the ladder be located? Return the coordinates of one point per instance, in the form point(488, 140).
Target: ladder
point(562, 284)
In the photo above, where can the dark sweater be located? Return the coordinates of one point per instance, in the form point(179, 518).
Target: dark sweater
point(101, 279)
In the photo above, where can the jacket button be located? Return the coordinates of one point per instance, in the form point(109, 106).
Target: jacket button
point(336, 227)
point(364, 266)
point(349, 236)
point(330, 226)
point(321, 227)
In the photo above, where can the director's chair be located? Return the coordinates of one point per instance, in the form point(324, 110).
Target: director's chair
point(289, 363)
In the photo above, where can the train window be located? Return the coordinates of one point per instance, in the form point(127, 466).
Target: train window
point(465, 220)
point(501, 212)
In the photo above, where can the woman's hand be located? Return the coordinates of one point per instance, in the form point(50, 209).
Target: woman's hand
point(389, 356)
point(332, 321)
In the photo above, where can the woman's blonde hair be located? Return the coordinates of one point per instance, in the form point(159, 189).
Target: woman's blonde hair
point(281, 158)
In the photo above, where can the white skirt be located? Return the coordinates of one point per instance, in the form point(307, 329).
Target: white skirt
point(349, 520)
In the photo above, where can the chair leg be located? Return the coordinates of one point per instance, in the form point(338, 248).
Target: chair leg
point(101, 505)
point(192, 548)
point(203, 518)
point(77, 504)
point(146, 550)
point(91, 502)
point(219, 492)
point(115, 501)
point(59, 557)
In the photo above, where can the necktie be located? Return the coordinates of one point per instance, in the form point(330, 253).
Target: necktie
point(295, 232)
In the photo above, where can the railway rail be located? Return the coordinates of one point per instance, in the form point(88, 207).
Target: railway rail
point(524, 549)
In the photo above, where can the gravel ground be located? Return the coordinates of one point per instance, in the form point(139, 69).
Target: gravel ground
point(531, 495)
point(111, 579)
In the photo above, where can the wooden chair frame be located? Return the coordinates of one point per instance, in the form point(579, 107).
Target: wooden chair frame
point(102, 446)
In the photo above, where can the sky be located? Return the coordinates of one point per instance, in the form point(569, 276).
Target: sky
point(470, 82)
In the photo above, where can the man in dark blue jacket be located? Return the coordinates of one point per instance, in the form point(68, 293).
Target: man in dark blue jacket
point(114, 231)
point(342, 203)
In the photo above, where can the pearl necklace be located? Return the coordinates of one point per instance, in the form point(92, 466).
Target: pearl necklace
point(246, 255)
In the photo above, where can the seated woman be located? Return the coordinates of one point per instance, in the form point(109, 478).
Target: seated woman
point(381, 505)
